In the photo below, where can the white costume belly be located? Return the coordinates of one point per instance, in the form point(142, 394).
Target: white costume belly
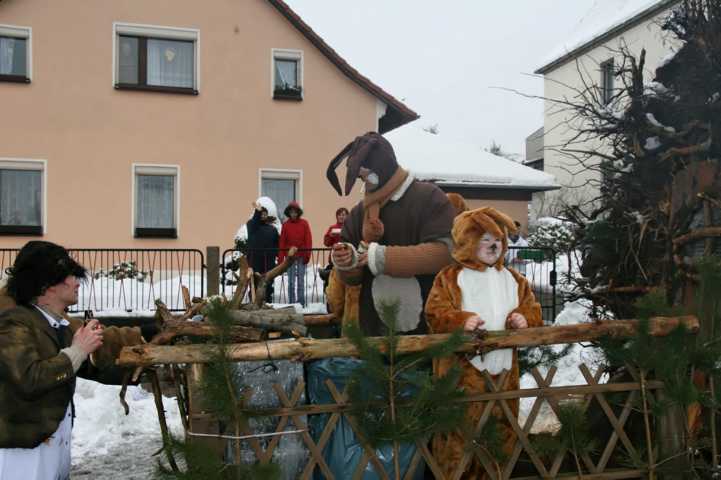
point(492, 295)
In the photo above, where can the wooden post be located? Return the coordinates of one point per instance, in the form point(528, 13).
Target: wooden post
point(212, 260)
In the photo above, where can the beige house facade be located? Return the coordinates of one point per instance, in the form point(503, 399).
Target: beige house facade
point(588, 62)
point(156, 123)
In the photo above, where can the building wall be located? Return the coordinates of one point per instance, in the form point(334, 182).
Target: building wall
point(91, 134)
point(513, 203)
point(564, 82)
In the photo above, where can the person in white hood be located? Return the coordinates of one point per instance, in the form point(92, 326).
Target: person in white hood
point(262, 238)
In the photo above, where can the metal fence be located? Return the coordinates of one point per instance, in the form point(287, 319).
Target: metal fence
point(131, 279)
point(537, 264)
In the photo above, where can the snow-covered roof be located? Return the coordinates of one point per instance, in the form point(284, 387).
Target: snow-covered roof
point(435, 158)
point(604, 20)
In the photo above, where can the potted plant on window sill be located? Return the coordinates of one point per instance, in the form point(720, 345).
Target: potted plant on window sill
point(288, 92)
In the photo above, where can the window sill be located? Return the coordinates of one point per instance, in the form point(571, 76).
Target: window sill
point(154, 88)
point(34, 230)
point(297, 97)
point(156, 233)
point(14, 78)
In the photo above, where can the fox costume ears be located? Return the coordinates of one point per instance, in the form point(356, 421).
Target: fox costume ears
point(469, 227)
point(371, 151)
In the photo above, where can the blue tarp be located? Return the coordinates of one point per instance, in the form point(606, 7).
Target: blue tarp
point(343, 451)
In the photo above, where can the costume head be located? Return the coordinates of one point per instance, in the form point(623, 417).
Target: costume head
point(38, 266)
point(370, 151)
point(481, 238)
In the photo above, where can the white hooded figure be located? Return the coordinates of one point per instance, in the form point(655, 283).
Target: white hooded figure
point(269, 205)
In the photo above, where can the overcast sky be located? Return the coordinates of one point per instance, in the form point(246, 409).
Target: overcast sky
point(443, 57)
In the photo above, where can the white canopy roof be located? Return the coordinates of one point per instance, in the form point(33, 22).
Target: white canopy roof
point(445, 162)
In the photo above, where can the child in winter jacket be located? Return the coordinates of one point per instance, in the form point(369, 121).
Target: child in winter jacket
point(478, 292)
point(296, 233)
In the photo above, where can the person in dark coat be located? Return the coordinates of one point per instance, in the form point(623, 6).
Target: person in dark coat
point(263, 238)
point(41, 354)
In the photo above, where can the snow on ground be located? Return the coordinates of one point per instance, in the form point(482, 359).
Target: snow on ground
point(568, 372)
point(108, 444)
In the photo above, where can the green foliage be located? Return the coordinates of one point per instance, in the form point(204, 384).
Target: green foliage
point(220, 384)
point(490, 440)
point(574, 435)
point(396, 398)
point(541, 356)
point(204, 464)
point(221, 389)
point(672, 358)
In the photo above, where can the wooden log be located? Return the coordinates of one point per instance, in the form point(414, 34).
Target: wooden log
point(238, 333)
point(329, 319)
point(186, 298)
point(242, 286)
point(698, 234)
point(269, 276)
point(268, 319)
point(309, 349)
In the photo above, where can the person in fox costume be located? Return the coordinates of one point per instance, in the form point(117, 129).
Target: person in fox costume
point(478, 292)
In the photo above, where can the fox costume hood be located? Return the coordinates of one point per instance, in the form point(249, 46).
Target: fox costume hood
point(493, 292)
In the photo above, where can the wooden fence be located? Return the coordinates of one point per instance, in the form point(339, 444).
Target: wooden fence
point(618, 453)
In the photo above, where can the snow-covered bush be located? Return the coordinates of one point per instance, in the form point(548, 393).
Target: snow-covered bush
point(123, 271)
point(552, 233)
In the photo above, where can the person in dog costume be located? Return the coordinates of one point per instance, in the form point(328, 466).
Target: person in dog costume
point(395, 240)
point(478, 292)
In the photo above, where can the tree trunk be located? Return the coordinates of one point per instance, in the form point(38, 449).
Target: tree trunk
point(309, 349)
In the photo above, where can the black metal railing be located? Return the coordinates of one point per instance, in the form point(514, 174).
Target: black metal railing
point(537, 264)
point(131, 279)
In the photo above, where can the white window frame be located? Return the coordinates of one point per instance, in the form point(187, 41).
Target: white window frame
point(161, 32)
point(23, 33)
point(282, 174)
point(287, 54)
point(154, 169)
point(8, 163)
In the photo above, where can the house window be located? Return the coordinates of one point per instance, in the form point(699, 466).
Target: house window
point(21, 197)
point(156, 201)
point(14, 54)
point(157, 59)
point(281, 186)
point(607, 78)
point(287, 74)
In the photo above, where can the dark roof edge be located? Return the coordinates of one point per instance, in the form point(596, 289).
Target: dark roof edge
point(596, 41)
point(400, 115)
point(494, 186)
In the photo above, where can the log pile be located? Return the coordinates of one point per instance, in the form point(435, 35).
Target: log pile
point(254, 321)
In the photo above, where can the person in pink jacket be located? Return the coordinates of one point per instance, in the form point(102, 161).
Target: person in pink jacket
point(296, 233)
